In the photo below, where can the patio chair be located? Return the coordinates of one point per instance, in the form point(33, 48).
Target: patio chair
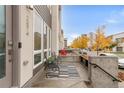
point(52, 69)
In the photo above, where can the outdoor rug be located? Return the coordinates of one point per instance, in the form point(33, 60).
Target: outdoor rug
point(66, 71)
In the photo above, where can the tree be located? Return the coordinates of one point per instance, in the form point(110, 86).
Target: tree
point(102, 42)
point(80, 42)
point(112, 45)
point(83, 40)
point(74, 43)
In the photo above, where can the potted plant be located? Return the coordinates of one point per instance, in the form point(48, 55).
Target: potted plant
point(51, 59)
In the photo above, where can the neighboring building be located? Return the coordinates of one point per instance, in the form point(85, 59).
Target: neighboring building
point(92, 37)
point(28, 35)
point(83, 34)
point(61, 40)
point(119, 38)
point(65, 43)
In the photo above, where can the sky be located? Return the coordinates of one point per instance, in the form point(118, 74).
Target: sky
point(82, 19)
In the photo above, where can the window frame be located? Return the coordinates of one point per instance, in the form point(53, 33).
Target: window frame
point(41, 29)
point(48, 49)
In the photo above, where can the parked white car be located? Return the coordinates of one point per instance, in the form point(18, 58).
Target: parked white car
point(120, 60)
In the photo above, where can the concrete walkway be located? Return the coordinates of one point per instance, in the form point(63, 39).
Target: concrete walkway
point(76, 75)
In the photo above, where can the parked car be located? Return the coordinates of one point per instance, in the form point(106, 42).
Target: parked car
point(120, 60)
point(84, 50)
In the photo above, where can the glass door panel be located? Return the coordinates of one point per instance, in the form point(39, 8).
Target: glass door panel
point(5, 36)
point(2, 42)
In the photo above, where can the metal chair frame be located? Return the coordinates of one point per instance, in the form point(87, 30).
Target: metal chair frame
point(52, 67)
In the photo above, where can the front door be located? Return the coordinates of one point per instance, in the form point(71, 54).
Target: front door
point(5, 46)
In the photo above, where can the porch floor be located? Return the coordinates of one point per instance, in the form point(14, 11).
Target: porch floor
point(72, 75)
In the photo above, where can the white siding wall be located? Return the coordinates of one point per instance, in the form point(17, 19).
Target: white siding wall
point(26, 38)
point(26, 53)
point(121, 35)
point(55, 29)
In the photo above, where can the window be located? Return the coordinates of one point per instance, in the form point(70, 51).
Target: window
point(123, 40)
point(37, 58)
point(119, 49)
point(49, 43)
point(119, 40)
point(37, 41)
point(45, 55)
point(37, 33)
point(45, 41)
point(45, 38)
point(49, 39)
point(38, 29)
point(49, 53)
point(2, 42)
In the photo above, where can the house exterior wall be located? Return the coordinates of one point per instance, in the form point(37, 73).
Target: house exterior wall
point(61, 40)
point(15, 17)
point(5, 46)
point(120, 39)
point(24, 27)
point(65, 42)
point(25, 35)
point(22, 21)
point(44, 30)
point(44, 13)
point(56, 28)
point(26, 20)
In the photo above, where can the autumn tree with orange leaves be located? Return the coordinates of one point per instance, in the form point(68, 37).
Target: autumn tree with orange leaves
point(80, 42)
point(102, 42)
